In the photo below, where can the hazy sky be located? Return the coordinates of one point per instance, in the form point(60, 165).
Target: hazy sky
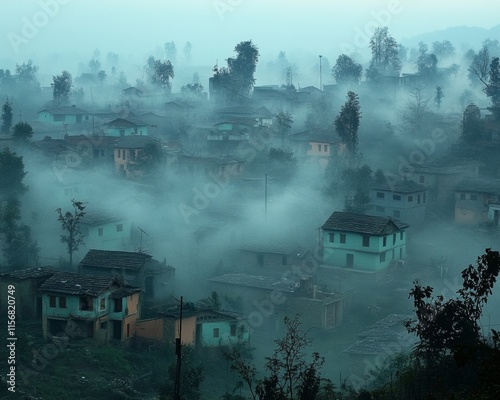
point(35, 29)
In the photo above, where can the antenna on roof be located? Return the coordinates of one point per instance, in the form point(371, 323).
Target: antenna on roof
point(142, 231)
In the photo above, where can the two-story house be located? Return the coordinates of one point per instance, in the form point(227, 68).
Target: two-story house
point(477, 201)
point(64, 115)
point(125, 127)
point(317, 146)
point(105, 231)
point(362, 242)
point(400, 199)
point(97, 307)
point(137, 268)
point(128, 152)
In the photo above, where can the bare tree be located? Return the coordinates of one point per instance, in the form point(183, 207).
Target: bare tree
point(70, 222)
point(414, 116)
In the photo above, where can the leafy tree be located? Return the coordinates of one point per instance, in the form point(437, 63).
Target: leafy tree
point(347, 123)
point(171, 51)
point(188, 47)
point(122, 80)
point(439, 96)
point(385, 55)
point(237, 79)
point(415, 117)
point(163, 71)
point(443, 49)
point(61, 87)
point(95, 66)
point(26, 77)
point(492, 89)
point(22, 133)
point(473, 128)
point(426, 63)
point(193, 88)
point(478, 69)
point(11, 176)
point(6, 117)
point(101, 75)
point(290, 375)
point(346, 71)
point(356, 183)
point(284, 121)
point(70, 223)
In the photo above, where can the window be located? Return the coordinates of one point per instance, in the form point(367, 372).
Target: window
point(102, 305)
point(232, 331)
point(100, 232)
point(52, 301)
point(394, 239)
point(382, 257)
point(104, 325)
point(119, 227)
point(216, 332)
point(401, 235)
point(331, 237)
point(396, 197)
point(62, 301)
point(396, 213)
point(86, 304)
point(421, 179)
point(384, 241)
point(473, 197)
point(119, 152)
point(342, 238)
point(366, 241)
point(118, 305)
point(462, 196)
point(325, 148)
point(128, 330)
point(410, 198)
point(380, 195)
point(319, 147)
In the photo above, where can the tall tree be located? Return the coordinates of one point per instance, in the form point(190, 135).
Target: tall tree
point(478, 69)
point(347, 123)
point(415, 116)
point(163, 71)
point(426, 63)
point(385, 55)
point(443, 50)
point(70, 223)
point(439, 96)
point(492, 88)
point(346, 71)
point(171, 51)
point(188, 47)
point(6, 117)
point(26, 77)
point(284, 121)
point(61, 87)
point(473, 129)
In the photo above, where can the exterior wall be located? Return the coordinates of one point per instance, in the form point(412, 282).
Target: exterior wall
point(319, 149)
point(129, 131)
point(494, 213)
point(110, 238)
point(188, 330)
point(151, 329)
point(410, 208)
point(364, 258)
point(48, 118)
point(224, 336)
point(326, 313)
point(473, 208)
point(73, 307)
point(266, 260)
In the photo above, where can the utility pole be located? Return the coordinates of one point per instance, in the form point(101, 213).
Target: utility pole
point(320, 74)
point(178, 353)
point(265, 199)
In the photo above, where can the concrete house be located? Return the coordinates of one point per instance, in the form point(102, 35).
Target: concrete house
point(128, 151)
point(139, 269)
point(401, 199)
point(477, 201)
point(104, 231)
point(26, 282)
point(125, 127)
point(271, 255)
point(97, 307)
point(363, 242)
point(64, 115)
point(318, 146)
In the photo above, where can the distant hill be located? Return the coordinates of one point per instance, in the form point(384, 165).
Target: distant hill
point(462, 37)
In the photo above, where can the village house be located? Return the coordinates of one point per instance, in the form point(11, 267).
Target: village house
point(400, 199)
point(26, 282)
point(104, 231)
point(156, 279)
point(127, 154)
point(477, 201)
point(66, 115)
point(271, 255)
point(93, 149)
point(125, 127)
point(267, 300)
point(200, 328)
point(363, 242)
point(316, 145)
point(219, 168)
point(102, 308)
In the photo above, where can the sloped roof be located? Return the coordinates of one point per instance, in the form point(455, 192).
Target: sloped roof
point(134, 141)
point(67, 110)
point(35, 272)
point(108, 259)
point(360, 223)
point(402, 186)
point(125, 123)
point(98, 217)
point(78, 284)
point(479, 185)
point(314, 135)
point(256, 281)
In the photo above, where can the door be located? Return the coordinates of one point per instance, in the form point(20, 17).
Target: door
point(117, 330)
point(350, 260)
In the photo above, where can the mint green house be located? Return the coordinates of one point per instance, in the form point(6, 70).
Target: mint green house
point(363, 242)
point(106, 232)
point(101, 308)
point(125, 127)
point(219, 328)
point(64, 115)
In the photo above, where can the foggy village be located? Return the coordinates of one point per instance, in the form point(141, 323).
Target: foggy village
point(211, 207)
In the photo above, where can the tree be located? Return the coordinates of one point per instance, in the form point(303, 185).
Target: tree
point(237, 79)
point(356, 183)
point(6, 117)
point(492, 89)
point(439, 96)
point(426, 63)
point(473, 128)
point(443, 50)
point(290, 375)
point(70, 223)
point(284, 121)
point(415, 117)
point(61, 87)
point(195, 88)
point(95, 66)
point(478, 69)
point(188, 47)
point(171, 51)
point(163, 71)
point(26, 77)
point(347, 123)
point(385, 55)
point(346, 71)
point(101, 75)
point(22, 133)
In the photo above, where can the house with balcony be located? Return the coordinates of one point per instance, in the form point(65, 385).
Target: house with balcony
point(67, 115)
point(155, 278)
point(125, 127)
point(95, 307)
point(400, 199)
point(477, 201)
point(362, 242)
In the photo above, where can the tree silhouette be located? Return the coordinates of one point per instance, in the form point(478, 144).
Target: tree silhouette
point(70, 223)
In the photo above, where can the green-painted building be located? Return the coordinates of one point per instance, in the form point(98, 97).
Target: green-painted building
point(363, 242)
point(125, 127)
point(67, 115)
